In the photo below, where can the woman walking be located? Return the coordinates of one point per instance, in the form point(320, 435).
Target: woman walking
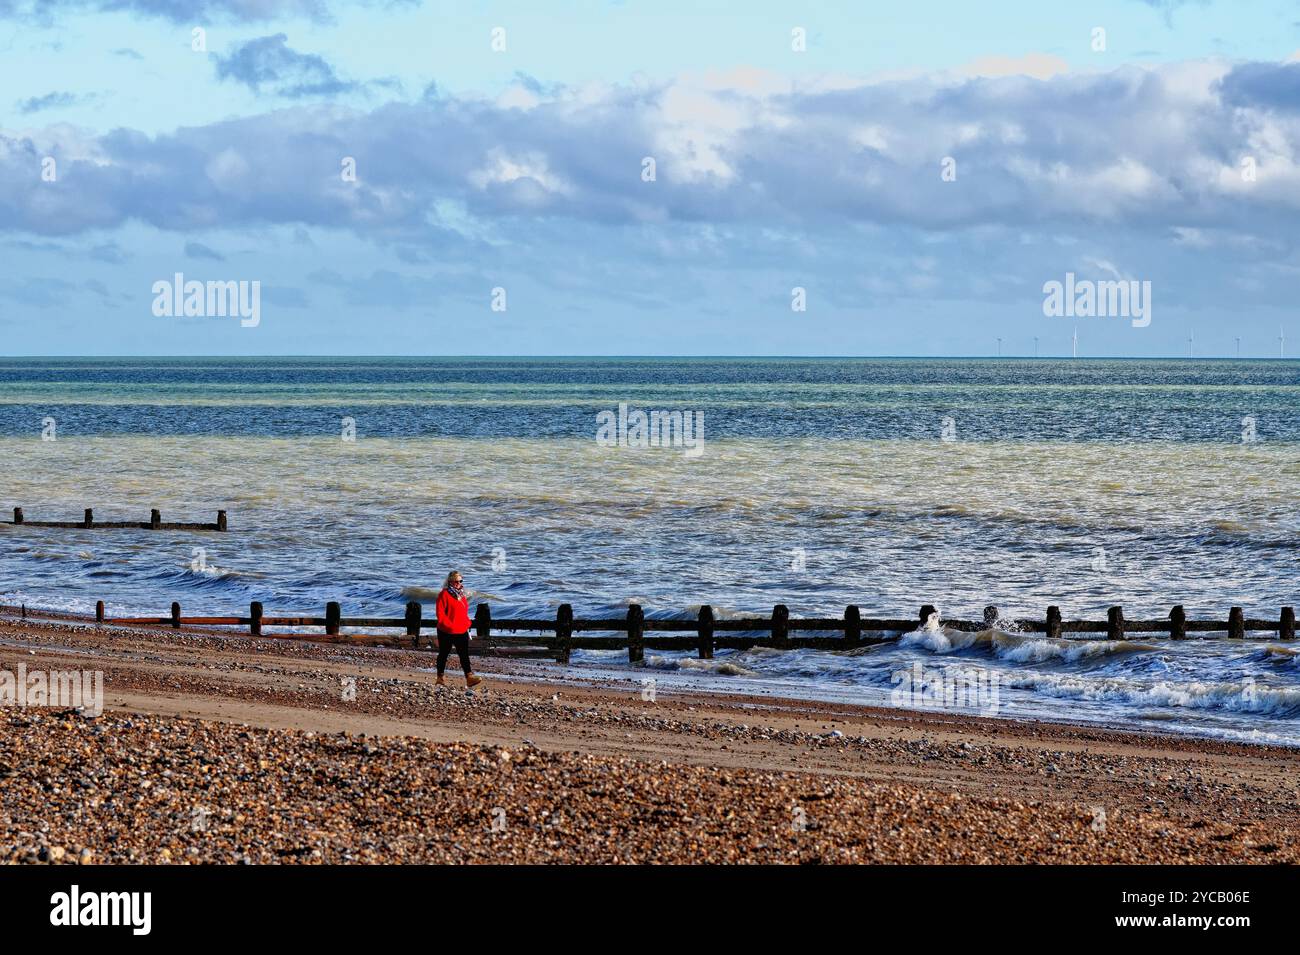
point(453, 628)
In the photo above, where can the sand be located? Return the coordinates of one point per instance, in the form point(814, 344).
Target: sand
point(230, 749)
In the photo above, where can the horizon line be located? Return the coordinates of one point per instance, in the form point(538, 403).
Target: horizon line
point(773, 357)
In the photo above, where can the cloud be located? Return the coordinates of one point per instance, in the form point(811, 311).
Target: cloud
point(197, 250)
point(268, 62)
point(1040, 66)
point(109, 252)
point(175, 11)
point(1267, 85)
point(1149, 148)
point(284, 296)
point(56, 100)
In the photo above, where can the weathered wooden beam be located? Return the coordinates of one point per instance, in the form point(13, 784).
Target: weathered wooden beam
point(705, 628)
point(1286, 624)
point(483, 624)
point(154, 523)
point(176, 615)
point(332, 618)
point(1115, 623)
point(1178, 623)
point(990, 617)
point(413, 614)
point(781, 625)
point(255, 618)
point(99, 611)
point(635, 633)
point(1054, 622)
point(1236, 624)
point(852, 626)
point(564, 633)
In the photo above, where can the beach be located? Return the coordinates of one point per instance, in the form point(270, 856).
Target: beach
point(882, 483)
point(233, 749)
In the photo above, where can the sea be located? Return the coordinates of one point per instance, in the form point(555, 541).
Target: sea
point(814, 483)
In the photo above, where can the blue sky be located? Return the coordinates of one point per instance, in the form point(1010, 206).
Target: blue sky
point(522, 169)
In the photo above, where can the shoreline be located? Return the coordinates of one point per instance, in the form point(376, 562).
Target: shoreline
point(1216, 801)
point(774, 691)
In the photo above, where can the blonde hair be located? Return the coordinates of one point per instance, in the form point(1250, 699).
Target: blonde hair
point(446, 584)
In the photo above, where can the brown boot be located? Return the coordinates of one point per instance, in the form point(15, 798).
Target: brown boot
point(442, 680)
point(472, 680)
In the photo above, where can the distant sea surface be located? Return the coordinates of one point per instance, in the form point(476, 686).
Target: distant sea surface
point(887, 483)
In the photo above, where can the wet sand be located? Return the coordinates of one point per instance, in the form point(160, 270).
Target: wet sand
point(259, 740)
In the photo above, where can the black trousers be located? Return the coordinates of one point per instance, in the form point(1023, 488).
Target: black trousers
point(448, 640)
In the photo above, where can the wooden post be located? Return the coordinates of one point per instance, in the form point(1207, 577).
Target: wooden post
point(483, 624)
point(852, 626)
point(1115, 623)
point(1236, 624)
point(254, 616)
point(990, 617)
point(563, 633)
point(926, 610)
point(332, 614)
point(1178, 623)
point(99, 611)
point(155, 519)
point(18, 515)
point(221, 520)
point(413, 614)
point(706, 632)
point(1054, 622)
point(176, 615)
point(635, 634)
point(1286, 624)
point(781, 625)
point(89, 520)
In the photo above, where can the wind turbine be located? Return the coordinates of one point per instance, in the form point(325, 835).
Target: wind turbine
point(1238, 346)
point(1076, 341)
point(999, 347)
point(1035, 346)
point(1281, 342)
point(1191, 343)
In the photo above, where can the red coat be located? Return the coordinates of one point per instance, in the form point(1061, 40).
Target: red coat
point(453, 613)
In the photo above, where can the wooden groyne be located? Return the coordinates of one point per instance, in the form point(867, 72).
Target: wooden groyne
point(155, 522)
point(636, 633)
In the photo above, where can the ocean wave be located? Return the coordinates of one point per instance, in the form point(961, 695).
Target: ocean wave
point(1044, 650)
point(938, 639)
point(1244, 696)
point(1281, 654)
point(1018, 648)
point(723, 667)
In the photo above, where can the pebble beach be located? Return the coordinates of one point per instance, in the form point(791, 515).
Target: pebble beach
point(232, 750)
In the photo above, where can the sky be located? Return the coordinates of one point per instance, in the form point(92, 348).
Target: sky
point(649, 178)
